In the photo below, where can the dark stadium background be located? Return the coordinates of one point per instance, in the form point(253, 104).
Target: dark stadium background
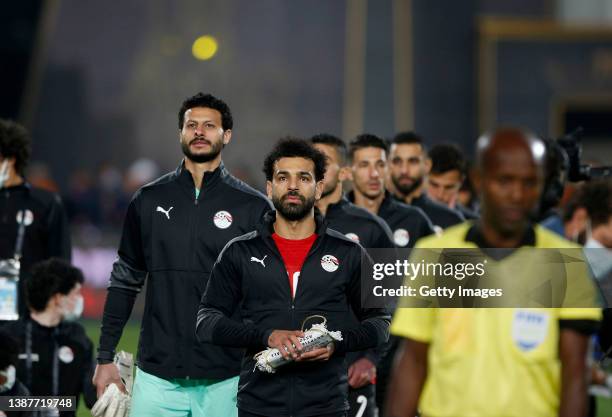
point(99, 84)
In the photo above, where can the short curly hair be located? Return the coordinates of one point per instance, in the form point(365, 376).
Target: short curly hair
point(50, 277)
point(446, 157)
point(15, 143)
point(596, 198)
point(291, 147)
point(210, 101)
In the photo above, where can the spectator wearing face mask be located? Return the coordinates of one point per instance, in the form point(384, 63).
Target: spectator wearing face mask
point(55, 354)
point(10, 386)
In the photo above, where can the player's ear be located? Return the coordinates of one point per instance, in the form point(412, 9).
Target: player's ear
point(427, 164)
point(319, 190)
point(345, 174)
point(227, 136)
point(269, 189)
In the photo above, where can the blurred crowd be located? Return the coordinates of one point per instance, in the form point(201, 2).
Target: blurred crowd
point(97, 197)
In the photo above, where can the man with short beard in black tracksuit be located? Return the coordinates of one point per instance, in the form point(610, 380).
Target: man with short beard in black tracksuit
point(408, 169)
point(174, 230)
point(292, 267)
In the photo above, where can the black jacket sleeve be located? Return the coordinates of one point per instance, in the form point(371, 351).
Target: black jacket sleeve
point(58, 237)
point(222, 296)
point(87, 387)
point(373, 329)
point(127, 278)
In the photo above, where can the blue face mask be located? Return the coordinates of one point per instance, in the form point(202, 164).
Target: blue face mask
point(9, 373)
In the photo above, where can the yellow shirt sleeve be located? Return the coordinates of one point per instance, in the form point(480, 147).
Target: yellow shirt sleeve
point(414, 323)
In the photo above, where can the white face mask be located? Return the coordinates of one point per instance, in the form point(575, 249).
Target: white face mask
point(77, 310)
point(4, 175)
point(9, 373)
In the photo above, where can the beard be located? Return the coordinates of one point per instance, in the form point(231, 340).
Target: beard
point(329, 188)
point(406, 189)
point(293, 211)
point(199, 158)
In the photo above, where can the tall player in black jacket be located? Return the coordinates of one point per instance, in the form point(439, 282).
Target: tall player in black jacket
point(174, 230)
point(368, 154)
point(371, 231)
point(253, 273)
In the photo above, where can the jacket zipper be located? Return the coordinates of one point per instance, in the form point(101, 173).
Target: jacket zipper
point(269, 242)
point(274, 249)
point(194, 228)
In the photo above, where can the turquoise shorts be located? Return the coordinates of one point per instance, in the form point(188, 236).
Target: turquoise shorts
point(153, 396)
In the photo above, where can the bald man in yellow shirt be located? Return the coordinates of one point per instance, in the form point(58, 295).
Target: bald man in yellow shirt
point(495, 362)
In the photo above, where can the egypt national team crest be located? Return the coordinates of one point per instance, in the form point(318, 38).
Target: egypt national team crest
point(65, 354)
point(223, 219)
point(529, 329)
point(27, 219)
point(353, 237)
point(329, 263)
point(401, 237)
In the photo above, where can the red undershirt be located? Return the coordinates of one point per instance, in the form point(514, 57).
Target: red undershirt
point(293, 253)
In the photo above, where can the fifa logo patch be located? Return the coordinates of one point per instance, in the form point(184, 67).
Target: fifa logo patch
point(529, 329)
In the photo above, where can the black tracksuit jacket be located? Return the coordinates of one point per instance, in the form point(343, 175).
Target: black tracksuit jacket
point(172, 240)
point(47, 236)
point(407, 223)
point(440, 216)
point(75, 363)
point(263, 296)
point(358, 224)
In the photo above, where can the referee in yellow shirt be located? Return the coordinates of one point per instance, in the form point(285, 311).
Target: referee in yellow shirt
point(474, 362)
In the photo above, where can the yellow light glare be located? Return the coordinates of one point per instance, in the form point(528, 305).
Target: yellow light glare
point(204, 47)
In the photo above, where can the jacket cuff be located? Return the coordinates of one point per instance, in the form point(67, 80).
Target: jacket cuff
point(104, 357)
point(266, 336)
